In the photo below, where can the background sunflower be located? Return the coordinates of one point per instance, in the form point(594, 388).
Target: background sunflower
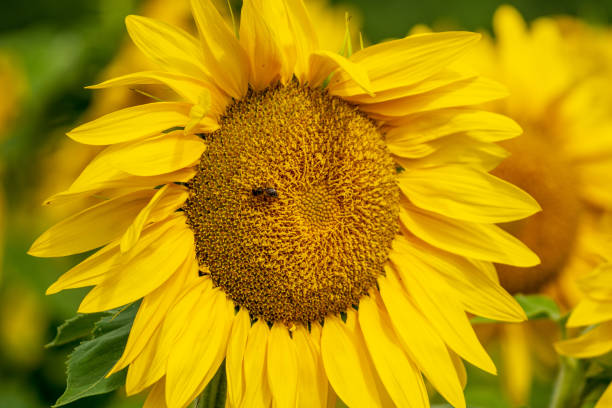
point(558, 76)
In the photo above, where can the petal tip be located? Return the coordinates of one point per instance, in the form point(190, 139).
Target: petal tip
point(131, 18)
point(53, 289)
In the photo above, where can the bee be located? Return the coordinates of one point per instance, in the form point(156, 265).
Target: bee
point(269, 192)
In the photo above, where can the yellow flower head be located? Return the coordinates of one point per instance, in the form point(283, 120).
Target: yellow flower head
point(313, 219)
point(558, 73)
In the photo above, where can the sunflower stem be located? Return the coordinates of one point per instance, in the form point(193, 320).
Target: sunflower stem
point(569, 384)
point(214, 394)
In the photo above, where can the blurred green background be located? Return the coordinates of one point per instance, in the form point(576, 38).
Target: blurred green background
point(49, 50)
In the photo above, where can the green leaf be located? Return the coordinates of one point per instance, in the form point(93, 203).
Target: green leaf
point(340, 403)
point(605, 360)
point(75, 328)
point(539, 307)
point(214, 394)
point(89, 363)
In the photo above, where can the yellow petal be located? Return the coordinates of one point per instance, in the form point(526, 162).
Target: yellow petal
point(404, 62)
point(274, 14)
point(480, 241)
point(598, 284)
point(315, 335)
point(420, 340)
point(589, 312)
point(91, 228)
point(398, 373)
point(459, 368)
point(282, 366)
point(458, 94)
point(152, 311)
point(437, 80)
point(593, 343)
point(261, 45)
point(133, 123)
point(170, 47)
point(455, 149)
point(157, 396)
point(90, 272)
point(355, 330)
point(257, 391)
point(235, 355)
point(509, 24)
point(149, 366)
point(149, 264)
point(428, 126)
point(82, 197)
point(227, 61)
point(469, 282)
point(305, 39)
point(199, 120)
point(158, 155)
point(324, 63)
point(167, 200)
point(516, 355)
point(467, 194)
point(445, 314)
point(186, 86)
point(346, 366)
point(151, 363)
point(488, 269)
point(199, 352)
point(596, 191)
point(312, 385)
point(133, 232)
point(100, 175)
point(411, 151)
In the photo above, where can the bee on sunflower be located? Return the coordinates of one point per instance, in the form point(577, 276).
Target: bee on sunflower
point(354, 277)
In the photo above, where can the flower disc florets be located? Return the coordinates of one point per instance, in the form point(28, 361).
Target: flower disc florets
point(295, 204)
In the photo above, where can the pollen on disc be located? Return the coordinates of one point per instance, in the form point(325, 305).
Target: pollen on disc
point(295, 204)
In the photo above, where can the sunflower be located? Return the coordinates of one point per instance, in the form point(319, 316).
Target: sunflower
point(320, 222)
point(594, 309)
point(558, 76)
point(564, 155)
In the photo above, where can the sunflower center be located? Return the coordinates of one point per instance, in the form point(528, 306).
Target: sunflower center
point(538, 167)
point(294, 205)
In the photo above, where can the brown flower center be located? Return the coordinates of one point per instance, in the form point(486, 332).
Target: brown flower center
point(295, 204)
point(539, 168)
